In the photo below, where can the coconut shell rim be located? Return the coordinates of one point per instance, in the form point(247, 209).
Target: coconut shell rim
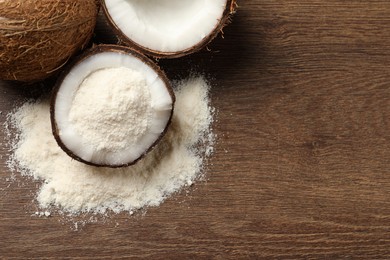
point(95, 50)
point(230, 9)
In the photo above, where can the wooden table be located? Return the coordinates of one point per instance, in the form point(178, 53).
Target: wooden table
point(302, 164)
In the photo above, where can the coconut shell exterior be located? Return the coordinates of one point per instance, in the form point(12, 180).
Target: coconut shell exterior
point(39, 36)
point(96, 50)
point(230, 9)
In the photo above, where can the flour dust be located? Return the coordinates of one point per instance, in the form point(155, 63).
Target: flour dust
point(74, 188)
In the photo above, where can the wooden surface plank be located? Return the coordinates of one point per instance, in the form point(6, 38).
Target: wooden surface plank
point(301, 168)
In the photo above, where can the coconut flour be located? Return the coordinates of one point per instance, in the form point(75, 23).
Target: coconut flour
point(120, 113)
point(74, 187)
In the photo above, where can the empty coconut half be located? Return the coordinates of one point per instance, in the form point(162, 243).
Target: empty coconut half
point(111, 107)
point(168, 28)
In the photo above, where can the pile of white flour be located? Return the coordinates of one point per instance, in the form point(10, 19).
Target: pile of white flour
point(73, 187)
point(122, 117)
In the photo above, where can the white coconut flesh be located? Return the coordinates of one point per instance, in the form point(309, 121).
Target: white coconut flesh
point(158, 104)
point(166, 26)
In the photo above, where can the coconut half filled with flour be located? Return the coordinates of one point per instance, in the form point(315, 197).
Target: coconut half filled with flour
point(168, 28)
point(111, 107)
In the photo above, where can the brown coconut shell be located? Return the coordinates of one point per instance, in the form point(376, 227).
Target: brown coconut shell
point(38, 37)
point(230, 9)
point(95, 50)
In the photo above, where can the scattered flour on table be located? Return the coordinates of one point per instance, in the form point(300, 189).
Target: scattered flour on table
point(73, 187)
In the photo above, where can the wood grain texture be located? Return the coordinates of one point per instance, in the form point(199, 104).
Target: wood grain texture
point(301, 169)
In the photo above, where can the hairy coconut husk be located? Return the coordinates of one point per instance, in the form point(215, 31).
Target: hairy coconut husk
point(231, 7)
point(38, 37)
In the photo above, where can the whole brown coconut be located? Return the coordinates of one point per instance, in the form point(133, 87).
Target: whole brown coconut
point(37, 37)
